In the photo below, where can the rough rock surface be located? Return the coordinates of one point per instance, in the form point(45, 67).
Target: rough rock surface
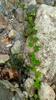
point(7, 88)
point(46, 25)
point(46, 92)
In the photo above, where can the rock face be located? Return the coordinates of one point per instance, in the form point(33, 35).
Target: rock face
point(46, 92)
point(46, 25)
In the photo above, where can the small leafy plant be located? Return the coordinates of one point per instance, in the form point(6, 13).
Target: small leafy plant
point(32, 41)
point(30, 17)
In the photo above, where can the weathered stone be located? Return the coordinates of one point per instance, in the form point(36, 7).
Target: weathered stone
point(29, 86)
point(3, 22)
point(16, 47)
point(19, 15)
point(46, 25)
point(40, 1)
point(48, 2)
point(7, 89)
point(12, 34)
point(30, 2)
point(19, 27)
point(46, 92)
point(3, 58)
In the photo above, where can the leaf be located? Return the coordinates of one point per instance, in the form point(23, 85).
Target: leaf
point(36, 48)
point(33, 59)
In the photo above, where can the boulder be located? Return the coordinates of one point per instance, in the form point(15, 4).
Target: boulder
point(46, 25)
point(46, 92)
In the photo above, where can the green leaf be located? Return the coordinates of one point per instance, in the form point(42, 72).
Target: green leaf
point(33, 59)
point(36, 48)
point(37, 84)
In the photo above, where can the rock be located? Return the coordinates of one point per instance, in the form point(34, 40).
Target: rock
point(4, 58)
point(40, 1)
point(30, 2)
point(46, 92)
point(16, 47)
point(19, 15)
point(7, 89)
point(48, 2)
point(46, 25)
point(4, 93)
point(12, 34)
point(29, 86)
point(19, 27)
point(3, 22)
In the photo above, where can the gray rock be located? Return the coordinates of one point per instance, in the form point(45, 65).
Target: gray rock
point(46, 92)
point(19, 14)
point(40, 1)
point(16, 47)
point(4, 58)
point(19, 27)
point(3, 22)
point(30, 2)
point(48, 2)
point(7, 89)
point(46, 25)
point(29, 86)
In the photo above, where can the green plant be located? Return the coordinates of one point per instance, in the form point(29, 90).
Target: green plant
point(30, 17)
point(32, 39)
point(34, 61)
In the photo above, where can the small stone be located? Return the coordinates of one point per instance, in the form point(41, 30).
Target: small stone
point(4, 58)
point(16, 47)
point(19, 15)
point(3, 22)
point(25, 94)
point(12, 34)
point(46, 92)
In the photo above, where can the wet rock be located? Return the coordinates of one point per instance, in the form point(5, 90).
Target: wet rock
point(4, 58)
point(46, 25)
point(46, 92)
